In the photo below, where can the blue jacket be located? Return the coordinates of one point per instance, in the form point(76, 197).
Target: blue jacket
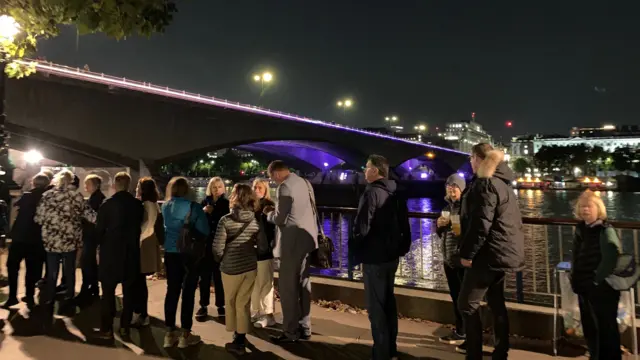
point(174, 212)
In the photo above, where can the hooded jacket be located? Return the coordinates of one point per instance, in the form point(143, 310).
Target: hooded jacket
point(373, 240)
point(239, 255)
point(492, 234)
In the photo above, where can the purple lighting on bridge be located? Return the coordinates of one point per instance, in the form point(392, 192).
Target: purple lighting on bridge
point(308, 154)
point(75, 73)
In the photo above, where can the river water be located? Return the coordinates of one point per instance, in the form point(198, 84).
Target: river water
point(545, 245)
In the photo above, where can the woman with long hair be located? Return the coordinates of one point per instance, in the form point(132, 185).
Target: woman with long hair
point(150, 260)
point(262, 301)
point(215, 205)
point(234, 246)
point(180, 269)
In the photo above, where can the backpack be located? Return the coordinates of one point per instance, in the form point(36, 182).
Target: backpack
point(400, 225)
point(191, 242)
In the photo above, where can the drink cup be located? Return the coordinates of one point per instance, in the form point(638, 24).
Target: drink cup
point(446, 214)
point(455, 225)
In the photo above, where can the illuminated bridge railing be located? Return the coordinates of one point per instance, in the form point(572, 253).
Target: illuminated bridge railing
point(120, 82)
point(547, 243)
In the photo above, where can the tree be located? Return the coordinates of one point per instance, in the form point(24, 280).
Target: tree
point(623, 158)
point(520, 165)
point(43, 19)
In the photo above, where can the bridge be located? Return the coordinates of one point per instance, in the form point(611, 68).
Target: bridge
point(90, 119)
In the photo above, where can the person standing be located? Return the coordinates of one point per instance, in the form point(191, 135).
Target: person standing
point(215, 205)
point(297, 235)
point(492, 244)
point(26, 243)
point(151, 235)
point(453, 270)
point(234, 246)
point(90, 289)
point(60, 213)
point(182, 275)
point(118, 235)
point(381, 232)
point(262, 301)
point(595, 255)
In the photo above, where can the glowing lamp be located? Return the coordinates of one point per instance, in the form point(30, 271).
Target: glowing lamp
point(33, 156)
point(423, 175)
point(326, 164)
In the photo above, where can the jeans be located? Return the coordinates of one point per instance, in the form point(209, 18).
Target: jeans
point(89, 269)
point(454, 279)
point(379, 281)
point(207, 269)
point(476, 284)
point(32, 254)
point(599, 314)
point(141, 300)
point(108, 304)
point(68, 270)
point(182, 277)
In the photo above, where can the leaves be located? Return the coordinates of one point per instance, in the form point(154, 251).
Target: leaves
point(114, 18)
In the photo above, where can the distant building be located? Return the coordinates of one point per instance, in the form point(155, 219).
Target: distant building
point(606, 131)
point(464, 134)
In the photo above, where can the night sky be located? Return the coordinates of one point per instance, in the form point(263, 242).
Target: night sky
point(546, 68)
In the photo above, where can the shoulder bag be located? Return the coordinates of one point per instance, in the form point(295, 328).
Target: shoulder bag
point(322, 257)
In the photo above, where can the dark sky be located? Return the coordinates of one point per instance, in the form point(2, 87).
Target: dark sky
point(547, 68)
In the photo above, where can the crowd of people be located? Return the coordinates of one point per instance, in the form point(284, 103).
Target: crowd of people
point(237, 242)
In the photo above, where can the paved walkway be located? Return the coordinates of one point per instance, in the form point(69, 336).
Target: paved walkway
point(336, 336)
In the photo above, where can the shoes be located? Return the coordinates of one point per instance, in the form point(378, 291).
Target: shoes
point(453, 339)
point(235, 348)
point(170, 338)
point(265, 321)
point(188, 339)
point(9, 303)
point(105, 335)
point(125, 333)
point(139, 321)
point(462, 348)
point(305, 334)
point(201, 315)
point(283, 339)
point(221, 312)
point(67, 308)
point(61, 289)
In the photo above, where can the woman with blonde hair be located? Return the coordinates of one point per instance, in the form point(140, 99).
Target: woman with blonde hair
point(595, 253)
point(215, 205)
point(234, 246)
point(262, 301)
point(182, 277)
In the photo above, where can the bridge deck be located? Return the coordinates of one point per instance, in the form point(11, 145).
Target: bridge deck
point(336, 336)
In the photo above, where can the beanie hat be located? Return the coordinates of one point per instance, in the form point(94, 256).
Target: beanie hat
point(456, 180)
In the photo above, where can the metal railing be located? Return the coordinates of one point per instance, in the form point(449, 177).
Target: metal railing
point(547, 243)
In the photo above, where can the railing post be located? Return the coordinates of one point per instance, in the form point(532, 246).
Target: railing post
point(350, 262)
point(519, 287)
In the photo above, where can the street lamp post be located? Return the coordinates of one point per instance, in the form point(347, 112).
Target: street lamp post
point(344, 105)
point(390, 120)
point(264, 80)
point(8, 30)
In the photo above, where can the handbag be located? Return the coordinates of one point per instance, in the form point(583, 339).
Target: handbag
point(191, 243)
point(322, 257)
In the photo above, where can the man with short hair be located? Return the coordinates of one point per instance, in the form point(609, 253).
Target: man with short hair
point(297, 236)
point(89, 264)
point(381, 235)
point(117, 233)
point(26, 243)
point(492, 243)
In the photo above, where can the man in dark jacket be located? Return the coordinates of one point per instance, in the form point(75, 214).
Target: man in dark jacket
point(453, 270)
point(90, 289)
point(118, 234)
point(26, 243)
point(492, 243)
point(380, 234)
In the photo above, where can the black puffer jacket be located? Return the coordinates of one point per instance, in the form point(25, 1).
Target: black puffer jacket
point(24, 228)
point(491, 222)
point(269, 228)
point(450, 241)
point(220, 209)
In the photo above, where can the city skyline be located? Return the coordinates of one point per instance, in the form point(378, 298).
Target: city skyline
point(429, 64)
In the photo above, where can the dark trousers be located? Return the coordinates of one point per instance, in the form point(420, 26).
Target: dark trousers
point(207, 269)
point(599, 314)
point(294, 286)
point(182, 277)
point(108, 304)
point(379, 281)
point(476, 284)
point(32, 254)
point(89, 269)
point(141, 300)
point(454, 279)
point(69, 273)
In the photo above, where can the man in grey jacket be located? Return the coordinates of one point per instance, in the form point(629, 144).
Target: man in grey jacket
point(296, 237)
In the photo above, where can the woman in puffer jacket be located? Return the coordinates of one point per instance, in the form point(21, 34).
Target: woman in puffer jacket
point(455, 186)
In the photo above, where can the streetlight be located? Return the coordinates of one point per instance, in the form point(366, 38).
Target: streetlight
point(263, 79)
point(9, 28)
point(420, 128)
point(33, 157)
point(345, 104)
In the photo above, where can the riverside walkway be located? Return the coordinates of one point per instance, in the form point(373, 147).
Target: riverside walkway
point(336, 336)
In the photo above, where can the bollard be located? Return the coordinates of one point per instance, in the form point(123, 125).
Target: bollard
point(519, 288)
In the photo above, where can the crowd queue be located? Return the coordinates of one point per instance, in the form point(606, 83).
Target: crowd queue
point(234, 242)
